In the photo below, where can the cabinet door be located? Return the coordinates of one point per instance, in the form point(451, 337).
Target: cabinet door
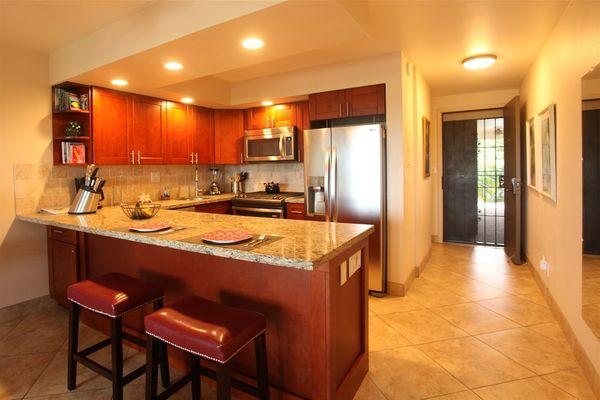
point(179, 134)
point(257, 118)
point(148, 130)
point(366, 100)
point(327, 105)
point(283, 114)
point(62, 268)
point(229, 133)
point(302, 123)
point(221, 207)
point(110, 126)
point(204, 135)
point(294, 211)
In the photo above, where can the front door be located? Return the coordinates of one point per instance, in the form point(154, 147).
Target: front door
point(512, 181)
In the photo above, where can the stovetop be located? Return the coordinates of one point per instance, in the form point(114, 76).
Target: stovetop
point(262, 197)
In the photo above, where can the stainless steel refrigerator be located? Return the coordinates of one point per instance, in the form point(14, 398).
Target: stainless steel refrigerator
point(345, 181)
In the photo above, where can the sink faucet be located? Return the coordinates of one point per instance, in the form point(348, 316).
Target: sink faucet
point(198, 191)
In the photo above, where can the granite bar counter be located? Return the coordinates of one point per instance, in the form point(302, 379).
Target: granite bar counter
point(309, 281)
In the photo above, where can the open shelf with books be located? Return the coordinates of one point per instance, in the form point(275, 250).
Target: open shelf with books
point(71, 124)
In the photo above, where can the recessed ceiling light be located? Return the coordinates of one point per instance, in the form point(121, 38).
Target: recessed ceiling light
point(119, 82)
point(476, 63)
point(187, 100)
point(267, 103)
point(252, 43)
point(173, 66)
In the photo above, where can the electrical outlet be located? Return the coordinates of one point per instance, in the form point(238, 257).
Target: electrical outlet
point(343, 272)
point(545, 266)
point(155, 177)
point(354, 263)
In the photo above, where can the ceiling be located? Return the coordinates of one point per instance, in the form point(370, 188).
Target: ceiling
point(43, 26)
point(435, 35)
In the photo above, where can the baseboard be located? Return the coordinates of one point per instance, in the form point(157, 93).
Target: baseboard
point(582, 358)
point(400, 289)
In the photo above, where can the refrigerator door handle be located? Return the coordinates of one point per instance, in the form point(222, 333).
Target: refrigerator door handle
point(326, 187)
point(334, 188)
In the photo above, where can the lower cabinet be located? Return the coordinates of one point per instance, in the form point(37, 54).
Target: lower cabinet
point(220, 207)
point(294, 211)
point(63, 262)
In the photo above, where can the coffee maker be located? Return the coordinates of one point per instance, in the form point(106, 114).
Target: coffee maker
point(214, 185)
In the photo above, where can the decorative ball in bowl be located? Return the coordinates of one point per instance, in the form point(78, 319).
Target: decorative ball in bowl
point(140, 210)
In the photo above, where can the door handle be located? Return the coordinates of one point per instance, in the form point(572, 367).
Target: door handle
point(139, 157)
point(196, 158)
point(326, 188)
point(132, 157)
point(191, 158)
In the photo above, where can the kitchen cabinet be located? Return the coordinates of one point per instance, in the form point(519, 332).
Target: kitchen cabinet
point(294, 211)
point(148, 139)
point(63, 262)
point(220, 207)
point(179, 134)
point(302, 123)
point(110, 125)
point(257, 118)
point(283, 115)
point(229, 134)
point(204, 136)
point(271, 116)
point(354, 102)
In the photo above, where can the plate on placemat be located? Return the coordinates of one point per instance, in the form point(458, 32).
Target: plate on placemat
point(150, 227)
point(230, 236)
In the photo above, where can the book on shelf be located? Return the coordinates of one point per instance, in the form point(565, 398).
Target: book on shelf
point(73, 153)
point(68, 101)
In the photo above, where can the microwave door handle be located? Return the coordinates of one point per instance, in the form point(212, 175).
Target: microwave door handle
point(281, 146)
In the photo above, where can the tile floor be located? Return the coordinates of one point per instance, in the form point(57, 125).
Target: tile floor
point(471, 327)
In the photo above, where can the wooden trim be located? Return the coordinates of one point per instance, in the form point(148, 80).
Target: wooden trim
point(585, 363)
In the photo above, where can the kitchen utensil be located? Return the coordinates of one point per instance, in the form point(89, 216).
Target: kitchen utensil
point(85, 202)
point(150, 227)
point(179, 228)
point(230, 236)
point(140, 210)
point(261, 237)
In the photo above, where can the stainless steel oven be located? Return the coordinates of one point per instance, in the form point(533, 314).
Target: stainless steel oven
point(258, 212)
point(272, 144)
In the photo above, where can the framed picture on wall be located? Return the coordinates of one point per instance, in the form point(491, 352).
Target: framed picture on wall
point(531, 154)
point(426, 147)
point(547, 120)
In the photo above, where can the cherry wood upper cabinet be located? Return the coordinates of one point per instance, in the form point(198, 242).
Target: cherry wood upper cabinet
point(355, 102)
point(283, 115)
point(257, 118)
point(229, 133)
point(204, 136)
point(179, 134)
point(110, 126)
point(148, 130)
point(271, 116)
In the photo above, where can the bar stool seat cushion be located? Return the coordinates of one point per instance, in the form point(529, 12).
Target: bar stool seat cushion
point(205, 328)
point(113, 294)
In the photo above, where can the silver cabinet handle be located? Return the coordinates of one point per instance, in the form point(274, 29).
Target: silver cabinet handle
point(347, 110)
point(132, 157)
point(196, 158)
point(241, 158)
point(57, 231)
point(191, 158)
point(333, 179)
point(139, 157)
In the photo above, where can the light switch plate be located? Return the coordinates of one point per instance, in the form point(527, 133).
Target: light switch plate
point(343, 272)
point(355, 263)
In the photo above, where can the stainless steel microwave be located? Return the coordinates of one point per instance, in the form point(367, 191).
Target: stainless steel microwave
point(271, 144)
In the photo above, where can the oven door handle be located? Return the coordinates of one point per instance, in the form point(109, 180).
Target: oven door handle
point(263, 210)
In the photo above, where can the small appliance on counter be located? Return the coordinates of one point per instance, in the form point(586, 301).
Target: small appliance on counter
point(214, 186)
point(272, 188)
point(89, 192)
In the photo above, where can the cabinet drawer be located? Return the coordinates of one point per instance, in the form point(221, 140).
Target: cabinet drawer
point(221, 207)
point(63, 235)
point(294, 211)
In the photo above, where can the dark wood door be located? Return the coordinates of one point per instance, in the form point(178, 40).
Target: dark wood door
point(229, 133)
point(110, 127)
point(512, 181)
point(591, 181)
point(63, 268)
point(179, 134)
point(327, 105)
point(204, 135)
point(148, 130)
point(459, 180)
point(366, 100)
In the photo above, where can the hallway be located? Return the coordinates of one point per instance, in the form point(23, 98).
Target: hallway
point(472, 326)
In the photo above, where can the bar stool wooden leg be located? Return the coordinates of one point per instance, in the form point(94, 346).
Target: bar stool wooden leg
point(262, 371)
point(163, 355)
point(223, 382)
point(195, 371)
point(73, 346)
point(116, 339)
point(151, 368)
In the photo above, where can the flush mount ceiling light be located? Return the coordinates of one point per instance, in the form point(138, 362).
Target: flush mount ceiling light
point(479, 62)
point(252, 43)
point(173, 66)
point(267, 103)
point(187, 100)
point(119, 82)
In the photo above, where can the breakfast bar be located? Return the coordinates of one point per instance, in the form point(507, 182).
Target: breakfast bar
point(306, 277)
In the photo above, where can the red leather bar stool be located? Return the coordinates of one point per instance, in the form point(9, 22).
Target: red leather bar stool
point(111, 295)
point(209, 331)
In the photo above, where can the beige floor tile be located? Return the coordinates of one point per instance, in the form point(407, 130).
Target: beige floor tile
point(513, 284)
point(407, 373)
point(15, 313)
point(444, 259)
point(591, 315)
point(433, 295)
point(423, 326)
point(539, 353)
point(442, 276)
point(521, 311)
point(526, 389)
point(590, 290)
point(393, 304)
point(369, 391)
point(474, 318)
point(475, 270)
point(550, 329)
point(572, 381)
point(466, 395)
point(383, 337)
point(18, 373)
point(474, 363)
point(5, 329)
point(473, 290)
point(536, 297)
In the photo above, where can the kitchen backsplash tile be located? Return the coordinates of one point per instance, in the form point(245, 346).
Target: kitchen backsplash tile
point(290, 176)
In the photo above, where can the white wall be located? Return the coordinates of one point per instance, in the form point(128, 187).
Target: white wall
point(554, 229)
point(25, 137)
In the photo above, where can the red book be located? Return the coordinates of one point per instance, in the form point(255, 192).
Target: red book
point(77, 153)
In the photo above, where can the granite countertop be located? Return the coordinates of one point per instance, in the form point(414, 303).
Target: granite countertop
point(304, 244)
point(295, 199)
point(174, 204)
